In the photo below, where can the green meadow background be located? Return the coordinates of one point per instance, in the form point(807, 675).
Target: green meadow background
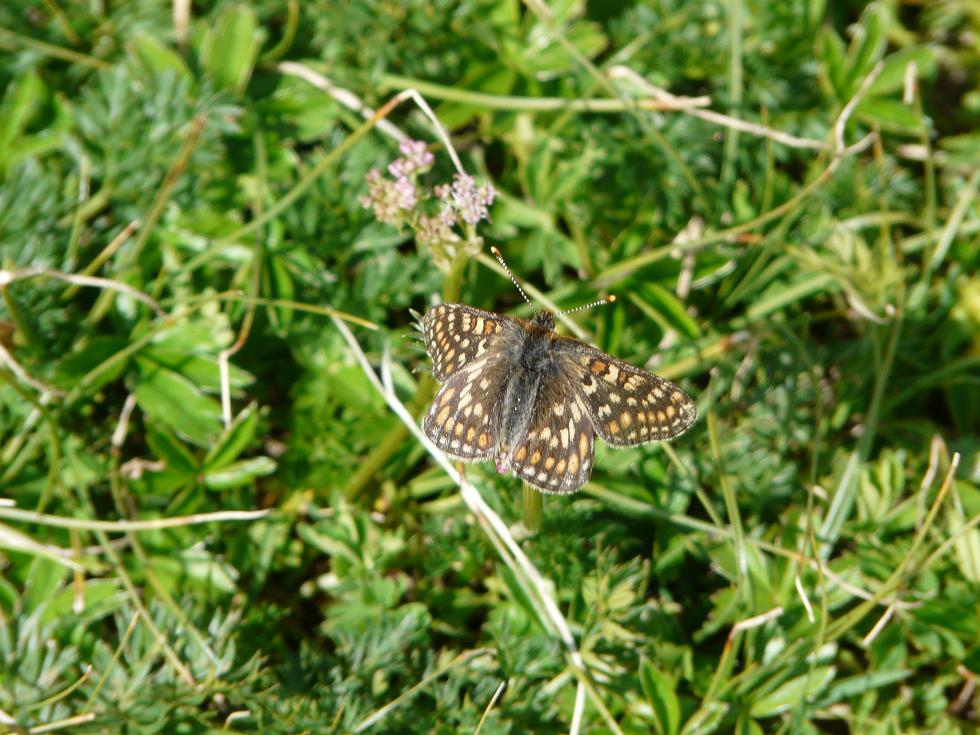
point(212, 518)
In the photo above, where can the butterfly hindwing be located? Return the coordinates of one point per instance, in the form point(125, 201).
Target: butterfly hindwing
point(556, 455)
point(464, 416)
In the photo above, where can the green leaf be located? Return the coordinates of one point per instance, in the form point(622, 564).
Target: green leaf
point(748, 726)
point(488, 78)
point(194, 337)
point(234, 439)
point(893, 70)
point(672, 311)
point(240, 473)
point(867, 47)
point(45, 576)
point(232, 48)
point(967, 542)
point(951, 613)
point(177, 403)
point(278, 284)
point(21, 102)
point(792, 692)
point(554, 58)
point(197, 566)
point(202, 370)
point(74, 366)
point(779, 295)
point(333, 547)
point(853, 686)
point(13, 540)
point(832, 55)
point(706, 720)
point(890, 115)
point(99, 598)
point(163, 484)
point(662, 696)
point(169, 449)
point(157, 55)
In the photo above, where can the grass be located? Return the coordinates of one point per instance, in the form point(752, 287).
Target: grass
point(217, 509)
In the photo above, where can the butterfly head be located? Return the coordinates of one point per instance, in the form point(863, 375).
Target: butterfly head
point(544, 320)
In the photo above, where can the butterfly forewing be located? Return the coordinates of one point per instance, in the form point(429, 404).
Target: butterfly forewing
point(457, 335)
point(556, 455)
point(628, 406)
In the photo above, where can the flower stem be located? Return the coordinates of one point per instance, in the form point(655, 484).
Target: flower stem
point(531, 503)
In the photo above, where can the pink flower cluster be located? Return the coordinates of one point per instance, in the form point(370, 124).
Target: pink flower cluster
point(464, 196)
point(392, 200)
point(396, 200)
point(417, 159)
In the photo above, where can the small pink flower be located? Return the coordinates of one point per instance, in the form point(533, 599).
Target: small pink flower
point(390, 200)
point(416, 152)
point(448, 217)
point(406, 196)
point(472, 202)
point(416, 159)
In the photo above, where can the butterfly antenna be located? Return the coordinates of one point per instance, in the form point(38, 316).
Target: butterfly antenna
point(610, 299)
point(500, 259)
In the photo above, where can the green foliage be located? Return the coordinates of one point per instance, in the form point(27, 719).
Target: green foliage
point(181, 214)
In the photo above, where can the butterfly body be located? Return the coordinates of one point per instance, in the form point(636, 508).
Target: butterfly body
point(518, 393)
point(533, 364)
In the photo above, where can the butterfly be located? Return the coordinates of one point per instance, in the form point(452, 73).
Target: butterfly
point(516, 392)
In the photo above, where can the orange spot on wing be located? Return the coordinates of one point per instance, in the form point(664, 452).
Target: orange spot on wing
point(573, 463)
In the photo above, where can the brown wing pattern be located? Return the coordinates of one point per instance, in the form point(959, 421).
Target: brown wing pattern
point(457, 335)
point(463, 420)
point(556, 455)
point(628, 406)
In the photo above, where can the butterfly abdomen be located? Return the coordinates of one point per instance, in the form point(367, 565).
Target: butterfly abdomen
point(520, 397)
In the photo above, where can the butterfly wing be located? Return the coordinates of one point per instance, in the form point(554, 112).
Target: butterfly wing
point(457, 335)
point(628, 406)
point(556, 455)
point(464, 418)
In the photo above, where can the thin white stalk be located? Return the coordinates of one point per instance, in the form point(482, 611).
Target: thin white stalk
point(792, 141)
point(344, 96)
point(79, 280)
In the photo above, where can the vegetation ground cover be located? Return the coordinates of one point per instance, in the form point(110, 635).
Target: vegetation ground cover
point(216, 510)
